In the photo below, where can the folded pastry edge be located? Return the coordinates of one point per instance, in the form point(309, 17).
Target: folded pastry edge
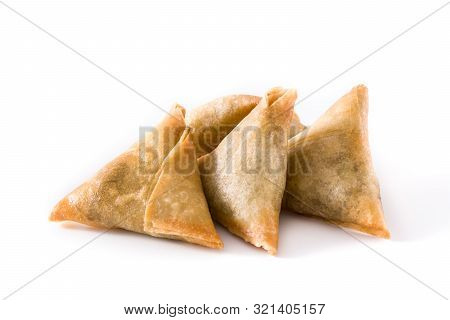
point(265, 244)
point(162, 230)
point(365, 229)
point(64, 211)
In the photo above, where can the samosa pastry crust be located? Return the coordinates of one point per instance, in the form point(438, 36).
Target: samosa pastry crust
point(330, 172)
point(177, 207)
point(244, 177)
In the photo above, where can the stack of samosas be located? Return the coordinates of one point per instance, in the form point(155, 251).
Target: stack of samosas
point(238, 160)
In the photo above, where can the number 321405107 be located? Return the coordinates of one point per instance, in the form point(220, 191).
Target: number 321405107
point(312, 308)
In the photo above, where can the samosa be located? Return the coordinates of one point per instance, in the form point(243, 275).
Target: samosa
point(244, 177)
point(118, 195)
point(330, 171)
point(177, 207)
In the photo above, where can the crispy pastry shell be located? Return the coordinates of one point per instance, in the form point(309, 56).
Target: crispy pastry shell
point(330, 171)
point(244, 177)
point(177, 207)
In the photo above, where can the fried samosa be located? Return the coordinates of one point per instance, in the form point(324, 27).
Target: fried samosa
point(330, 172)
point(177, 207)
point(118, 195)
point(245, 176)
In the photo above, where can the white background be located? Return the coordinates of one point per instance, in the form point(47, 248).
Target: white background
point(61, 119)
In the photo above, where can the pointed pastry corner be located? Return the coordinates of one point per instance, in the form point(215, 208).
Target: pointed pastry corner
point(178, 111)
point(215, 243)
point(208, 239)
point(275, 93)
point(362, 94)
point(268, 245)
point(62, 211)
point(271, 249)
point(212, 239)
point(271, 244)
point(288, 96)
point(376, 227)
point(268, 242)
point(379, 229)
point(279, 105)
point(380, 232)
point(361, 89)
point(383, 233)
point(287, 99)
point(181, 232)
point(291, 94)
point(65, 211)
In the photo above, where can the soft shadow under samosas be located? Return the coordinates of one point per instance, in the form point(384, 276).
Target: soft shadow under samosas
point(301, 236)
point(298, 236)
point(140, 243)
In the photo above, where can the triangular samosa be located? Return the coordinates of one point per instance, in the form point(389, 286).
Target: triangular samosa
point(177, 207)
point(213, 121)
point(117, 196)
point(330, 172)
point(245, 176)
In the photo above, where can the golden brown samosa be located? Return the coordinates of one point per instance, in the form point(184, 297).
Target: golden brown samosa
point(117, 196)
point(177, 207)
point(330, 172)
point(244, 177)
